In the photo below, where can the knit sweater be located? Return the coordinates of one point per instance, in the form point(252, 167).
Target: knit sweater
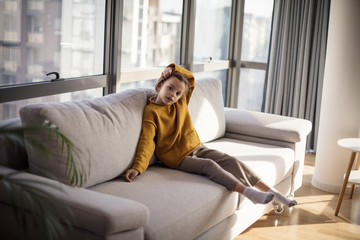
point(168, 130)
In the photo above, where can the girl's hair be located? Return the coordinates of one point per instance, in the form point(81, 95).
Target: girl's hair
point(176, 75)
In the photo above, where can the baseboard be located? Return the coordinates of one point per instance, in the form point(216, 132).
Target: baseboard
point(324, 186)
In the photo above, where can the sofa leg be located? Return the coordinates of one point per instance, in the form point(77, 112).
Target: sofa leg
point(278, 208)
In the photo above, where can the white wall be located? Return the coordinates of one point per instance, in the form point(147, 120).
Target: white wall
point(340, 105)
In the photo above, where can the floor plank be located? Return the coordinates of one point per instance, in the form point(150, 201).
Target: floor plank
point(312, 218)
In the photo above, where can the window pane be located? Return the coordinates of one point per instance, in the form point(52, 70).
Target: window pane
point(222, 75)
point(11, 109)
point(151, 33)
point(212, 28)
point(251, 89)
point(138, 84)
point(40, 36)
point(256, 31)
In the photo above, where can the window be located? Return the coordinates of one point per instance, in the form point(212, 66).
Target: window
point(151, 33)
point(11, 109)
point(254, 53)
point(212, 29)
point(56, 34)
point(97, 52)
point(251, 89)
point(40, 36)
point(211, 37)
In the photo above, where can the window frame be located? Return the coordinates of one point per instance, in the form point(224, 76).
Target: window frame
point(113, 75)
point(16, 92)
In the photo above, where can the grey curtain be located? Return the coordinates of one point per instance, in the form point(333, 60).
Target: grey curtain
point(296, 61)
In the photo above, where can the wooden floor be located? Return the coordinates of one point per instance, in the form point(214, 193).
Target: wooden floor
point(312, 218)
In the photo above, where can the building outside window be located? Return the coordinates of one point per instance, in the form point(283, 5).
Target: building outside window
point(255, 48)
point(151, 34)
point(40, 36)
point(212, 32)
point(76, 39)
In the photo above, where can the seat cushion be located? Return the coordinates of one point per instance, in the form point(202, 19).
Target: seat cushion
point(105, 130)
point(273, 164)
point(182, 205)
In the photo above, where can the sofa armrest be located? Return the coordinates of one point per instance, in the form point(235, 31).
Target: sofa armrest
point(271, 129)
point(94, 212)
point(265, 125)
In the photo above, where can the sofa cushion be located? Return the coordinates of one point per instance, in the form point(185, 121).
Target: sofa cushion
point(207, 109)
point(273, 164)
point(182, 205)
point(267, 126)
point(106, 131)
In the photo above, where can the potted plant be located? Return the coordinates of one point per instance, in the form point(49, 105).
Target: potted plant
point(47, 220)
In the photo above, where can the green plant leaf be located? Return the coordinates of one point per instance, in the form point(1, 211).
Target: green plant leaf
point(26, 195)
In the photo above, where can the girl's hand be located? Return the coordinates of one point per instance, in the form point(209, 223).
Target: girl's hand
point(131, 174)
point(166, 73)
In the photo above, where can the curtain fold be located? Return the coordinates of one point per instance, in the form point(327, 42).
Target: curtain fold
point(295, 71)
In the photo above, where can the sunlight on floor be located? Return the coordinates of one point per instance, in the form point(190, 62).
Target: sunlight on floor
point(312, 218)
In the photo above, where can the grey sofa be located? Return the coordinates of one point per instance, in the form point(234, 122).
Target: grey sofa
point(161, 203)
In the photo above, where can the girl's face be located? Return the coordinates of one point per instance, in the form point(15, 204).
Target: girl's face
point(170, 91)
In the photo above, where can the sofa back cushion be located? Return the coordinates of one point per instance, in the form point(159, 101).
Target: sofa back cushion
point(207, 109)
point(106, 131)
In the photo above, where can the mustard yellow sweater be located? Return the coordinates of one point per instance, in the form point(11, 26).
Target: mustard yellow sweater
point(168, 130)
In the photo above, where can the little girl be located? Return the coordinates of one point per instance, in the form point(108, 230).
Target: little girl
point(168, 130)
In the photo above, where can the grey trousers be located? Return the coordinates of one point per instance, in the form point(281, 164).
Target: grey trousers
point(219, 167)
